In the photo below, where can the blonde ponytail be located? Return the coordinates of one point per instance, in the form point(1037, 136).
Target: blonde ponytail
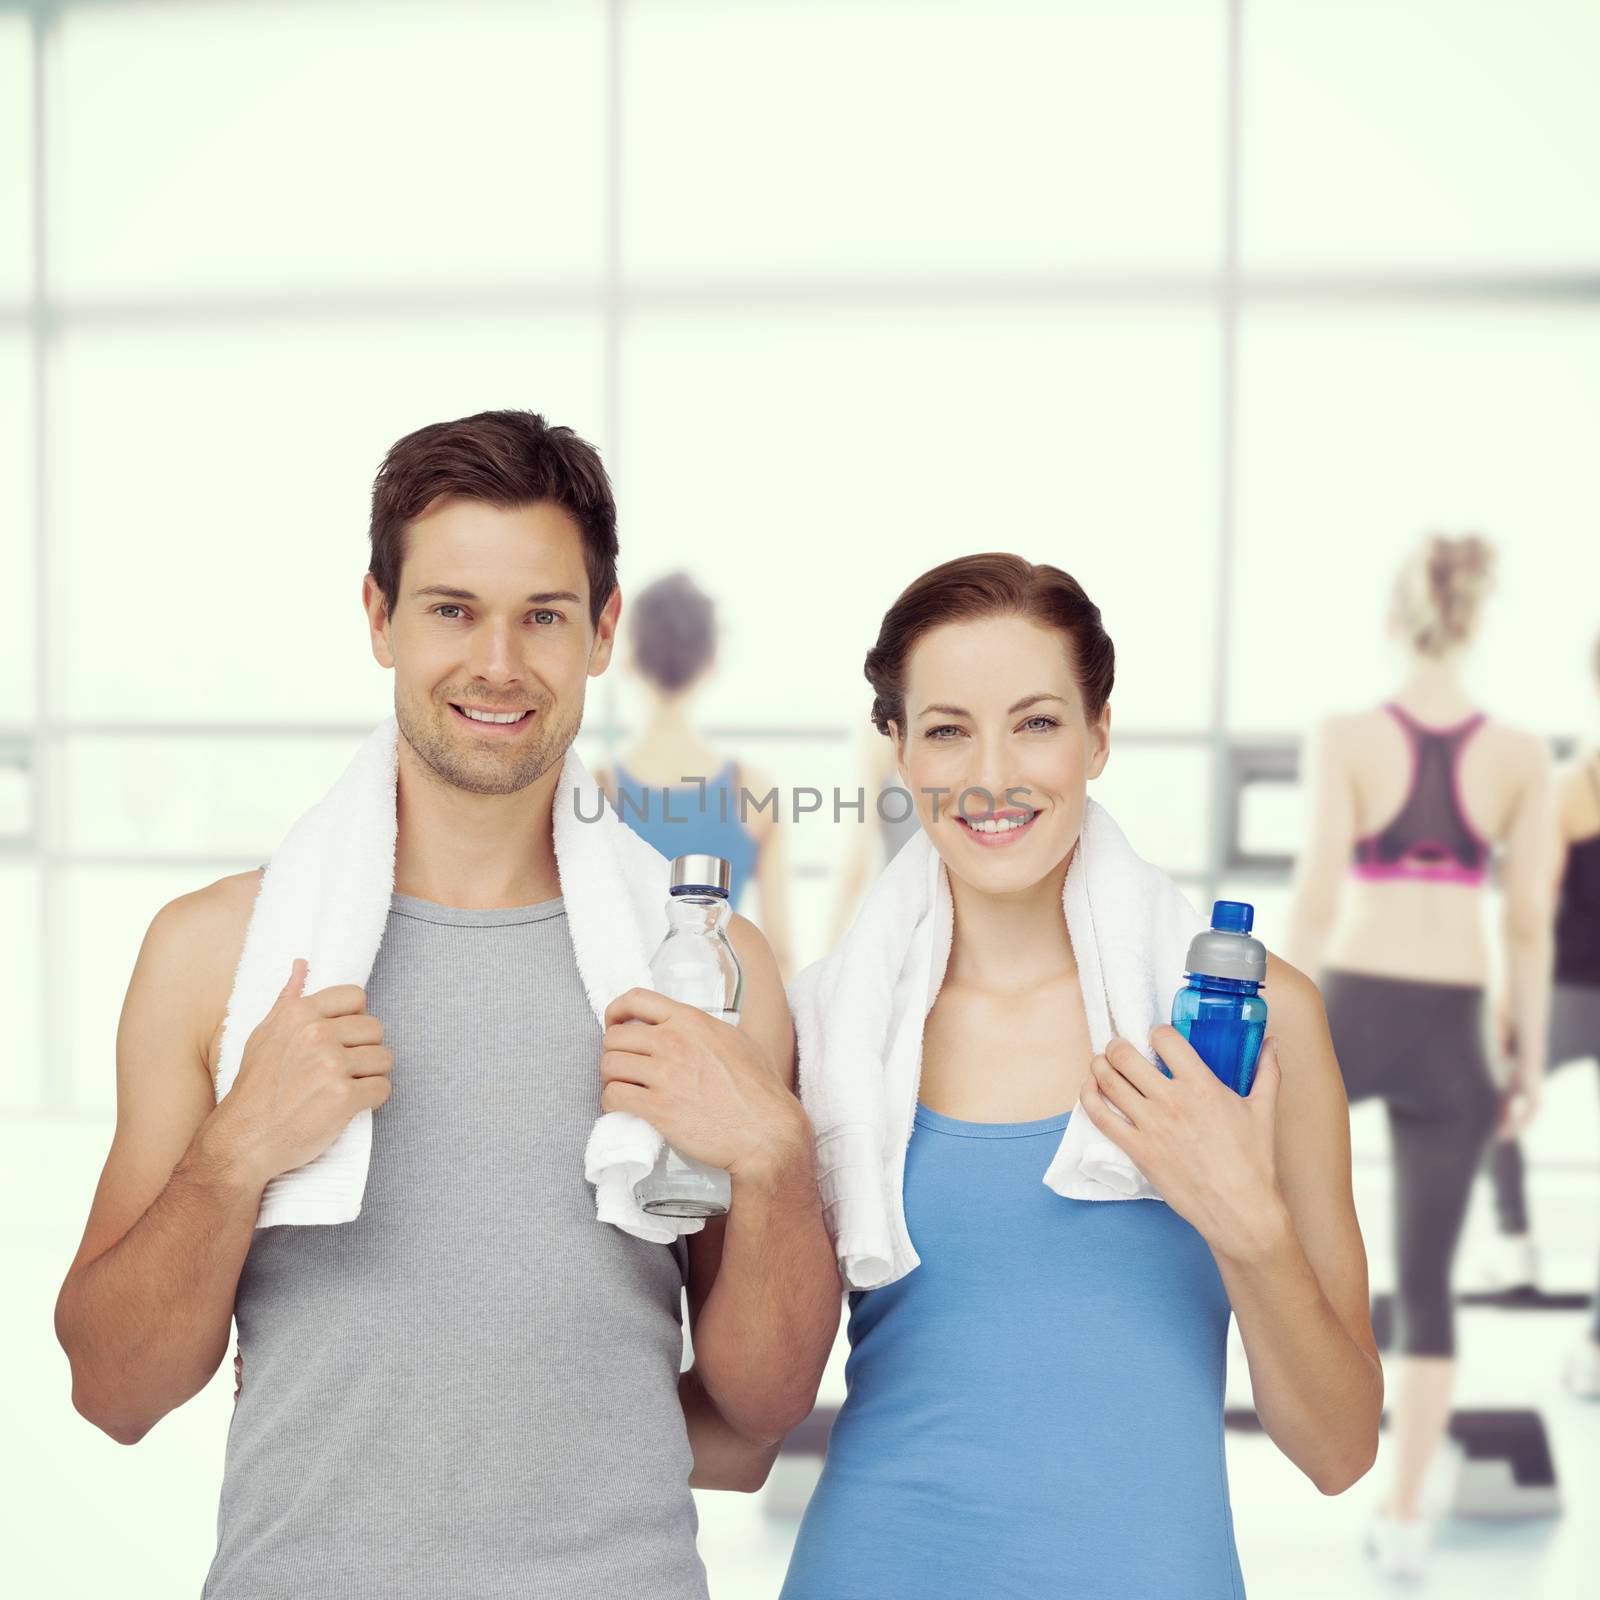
point(1440, 589)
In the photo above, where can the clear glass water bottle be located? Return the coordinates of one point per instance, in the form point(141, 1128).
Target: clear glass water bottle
point(695, 964)
point(1220, 1010)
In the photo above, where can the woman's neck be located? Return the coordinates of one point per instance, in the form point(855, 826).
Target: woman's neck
point(1433, 687)
point(668, 750)
point(1010, 943)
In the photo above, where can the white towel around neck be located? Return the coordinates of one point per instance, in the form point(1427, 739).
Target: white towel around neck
point(859, 1015)
point(325, 895)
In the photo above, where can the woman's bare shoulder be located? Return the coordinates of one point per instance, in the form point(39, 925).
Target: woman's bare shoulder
point(1293, 998)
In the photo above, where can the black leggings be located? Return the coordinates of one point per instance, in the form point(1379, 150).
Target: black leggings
point(1574, 1036)
point(1421, 1048)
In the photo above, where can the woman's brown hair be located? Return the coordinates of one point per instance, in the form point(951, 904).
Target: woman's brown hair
point(506, 459)
point(990, 585)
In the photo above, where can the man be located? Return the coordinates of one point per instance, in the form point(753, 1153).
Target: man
point(473, 1388)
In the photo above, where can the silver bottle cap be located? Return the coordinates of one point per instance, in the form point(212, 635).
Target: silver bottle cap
point(709, 874)
point(1226, 949)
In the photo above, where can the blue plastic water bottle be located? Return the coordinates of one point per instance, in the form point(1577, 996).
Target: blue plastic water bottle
point(1220, 1010)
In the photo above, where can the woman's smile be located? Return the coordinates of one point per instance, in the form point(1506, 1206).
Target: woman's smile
point(999, 831)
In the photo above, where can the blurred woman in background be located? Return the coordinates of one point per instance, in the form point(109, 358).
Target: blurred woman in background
point(1406, 801)
point(672, 638)
point(1574, 1035)
point(891, 819)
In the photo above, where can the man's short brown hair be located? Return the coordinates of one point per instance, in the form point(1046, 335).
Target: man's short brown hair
point(505, 459)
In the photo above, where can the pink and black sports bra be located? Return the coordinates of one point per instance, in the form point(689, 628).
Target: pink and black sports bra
point(1429, 839)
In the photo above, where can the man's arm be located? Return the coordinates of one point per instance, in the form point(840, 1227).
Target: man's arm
point(764, 1290)
point(145, 1311)
point(723, 1457)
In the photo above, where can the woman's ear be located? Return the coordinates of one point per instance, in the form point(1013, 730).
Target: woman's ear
point(897, 745)
point(1100, 741)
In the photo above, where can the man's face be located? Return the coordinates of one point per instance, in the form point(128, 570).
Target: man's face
point(512, 636)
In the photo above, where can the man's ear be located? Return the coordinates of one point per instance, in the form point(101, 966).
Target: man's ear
point(605, 633)
point(377, 613)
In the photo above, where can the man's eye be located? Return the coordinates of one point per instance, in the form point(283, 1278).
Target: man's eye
point(554, 616)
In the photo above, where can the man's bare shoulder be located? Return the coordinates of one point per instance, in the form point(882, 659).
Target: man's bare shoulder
point(209, 926)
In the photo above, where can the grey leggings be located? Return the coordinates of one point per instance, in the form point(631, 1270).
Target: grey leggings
point(1574, 1036)
point(1421, 1048)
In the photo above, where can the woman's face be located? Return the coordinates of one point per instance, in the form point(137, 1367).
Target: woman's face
point(997, 750)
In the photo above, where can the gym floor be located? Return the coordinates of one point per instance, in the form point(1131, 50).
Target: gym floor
point(99, 1518)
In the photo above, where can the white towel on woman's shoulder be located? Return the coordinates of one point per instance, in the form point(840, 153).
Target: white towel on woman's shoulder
point(325, 896)
point(859, 1015)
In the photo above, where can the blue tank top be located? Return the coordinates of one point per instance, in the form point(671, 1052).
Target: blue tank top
point(1036, 1409)
point(677, 822)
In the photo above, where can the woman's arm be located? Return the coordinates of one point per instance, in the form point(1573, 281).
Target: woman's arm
point(876, 758)
point(1325, 856)
point(1533, 858)
point(1301, 1298)
point(1288, 1248)
point(772, 881)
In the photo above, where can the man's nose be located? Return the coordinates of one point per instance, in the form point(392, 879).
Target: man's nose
point(494, 654)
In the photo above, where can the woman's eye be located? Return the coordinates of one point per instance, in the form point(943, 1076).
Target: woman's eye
point(1041, 721)
point(554, 614)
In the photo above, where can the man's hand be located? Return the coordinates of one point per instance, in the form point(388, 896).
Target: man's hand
point(706, 1087)
point(311, 1063)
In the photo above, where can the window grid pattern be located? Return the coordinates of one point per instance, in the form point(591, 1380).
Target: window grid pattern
point(1228, 293)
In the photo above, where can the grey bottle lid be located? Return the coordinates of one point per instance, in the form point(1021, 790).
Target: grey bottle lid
point(1228, 951)
point(708, 874)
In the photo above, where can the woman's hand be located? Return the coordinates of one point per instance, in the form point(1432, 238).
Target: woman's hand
point(1208, 1151)
point(1519, 1103)
point(1519, 1096)
point(706, 1086)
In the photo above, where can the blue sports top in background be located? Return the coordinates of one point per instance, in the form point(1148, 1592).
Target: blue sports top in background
point(702, 828)
point(1035, 1410)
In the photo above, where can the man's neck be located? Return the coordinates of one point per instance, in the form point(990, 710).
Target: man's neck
point(476, 852)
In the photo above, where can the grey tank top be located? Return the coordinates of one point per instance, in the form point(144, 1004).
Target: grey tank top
point(470, 1391)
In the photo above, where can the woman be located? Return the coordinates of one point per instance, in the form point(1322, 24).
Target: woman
point(673, 639)
point(891, 819)
point(1037, 1408)
point(1574, 1032)
point(1407, 801)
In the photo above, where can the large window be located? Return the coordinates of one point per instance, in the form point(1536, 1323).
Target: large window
point(1220, 306)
